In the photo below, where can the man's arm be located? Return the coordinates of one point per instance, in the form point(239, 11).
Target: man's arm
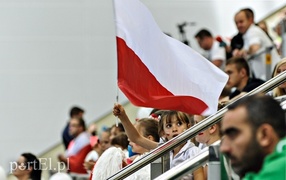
point(253, 49)
point(243, 52)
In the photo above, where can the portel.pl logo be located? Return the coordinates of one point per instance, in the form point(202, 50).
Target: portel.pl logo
point(45, 164)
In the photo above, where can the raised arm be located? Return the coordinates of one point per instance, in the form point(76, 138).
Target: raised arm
point(131, 131)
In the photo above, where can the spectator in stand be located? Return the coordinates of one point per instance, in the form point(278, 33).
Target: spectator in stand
point(104, 139)
point(75, 112)
point(171, 124)
point(279, 41)
point(281, 89)
point(78, 148)
point(121, 141)
point(215, 53)
point(254, 138)
point(207, 137)
point(264, 27)
point(113, 159)
point(255, 40)
point(110, 162)
point(28, 167)
point(148, 128)
point(92, 129)
point(115, 130)
point(94, 154)
point(105, 144)
point(238, 71)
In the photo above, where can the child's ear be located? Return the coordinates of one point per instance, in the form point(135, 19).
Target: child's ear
point(212, 129)
point(188, 125)
point(150, 138)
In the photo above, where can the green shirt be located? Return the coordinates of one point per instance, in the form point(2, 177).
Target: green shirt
point(274, 165)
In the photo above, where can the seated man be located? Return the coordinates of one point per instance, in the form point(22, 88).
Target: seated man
point(254, 138)
point(238, 71)
point(78, 148)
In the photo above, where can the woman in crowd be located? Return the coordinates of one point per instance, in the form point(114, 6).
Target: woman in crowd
point(281, 89)
point(27, 167)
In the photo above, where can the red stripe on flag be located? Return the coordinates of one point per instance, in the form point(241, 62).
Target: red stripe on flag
point(142, 88)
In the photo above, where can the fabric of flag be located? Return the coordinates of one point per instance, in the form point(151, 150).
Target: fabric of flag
point(155, 70)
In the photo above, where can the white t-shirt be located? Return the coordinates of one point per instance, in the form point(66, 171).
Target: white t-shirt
point(216, 52)
point(188, 151)
point(92, 155)
point(255, 35)
point(143, 173)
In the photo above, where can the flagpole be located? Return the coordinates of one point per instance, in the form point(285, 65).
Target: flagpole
point(117, 95)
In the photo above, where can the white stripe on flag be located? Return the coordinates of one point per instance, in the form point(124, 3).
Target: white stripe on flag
point(175, 65)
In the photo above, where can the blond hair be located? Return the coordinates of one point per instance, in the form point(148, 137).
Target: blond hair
point(278, 91)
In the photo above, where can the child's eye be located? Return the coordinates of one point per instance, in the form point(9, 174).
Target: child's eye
point(179, 123)
point(168, 125)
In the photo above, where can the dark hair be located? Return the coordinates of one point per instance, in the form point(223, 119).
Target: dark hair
point(75, 111)
point(154, 111)
point(240, 63)
point(263, 109)
point(167, 117)
point(248, 12)
point(32, 161)
point(120, 127)
point(149, 127)
point(81, 123)
point(121, 140)
point(203, 33)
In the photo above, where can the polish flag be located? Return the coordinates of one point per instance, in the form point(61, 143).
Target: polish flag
point(155, 70)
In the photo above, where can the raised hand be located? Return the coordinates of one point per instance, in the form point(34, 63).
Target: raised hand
point(118, 110)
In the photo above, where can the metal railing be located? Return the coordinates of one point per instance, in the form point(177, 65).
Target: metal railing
point(193, 131)
point(201, 159)
point(188, 166)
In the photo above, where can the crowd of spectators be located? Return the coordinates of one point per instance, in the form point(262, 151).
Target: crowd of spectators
point(252, 131)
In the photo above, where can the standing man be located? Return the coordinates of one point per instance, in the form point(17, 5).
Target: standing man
point(255, 40)
point(215, 53)
point(254, 138)
point(75, 112)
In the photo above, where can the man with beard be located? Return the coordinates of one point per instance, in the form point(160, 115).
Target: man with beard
point(254, 139)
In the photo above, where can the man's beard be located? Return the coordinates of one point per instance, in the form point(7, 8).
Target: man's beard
point(251, 161)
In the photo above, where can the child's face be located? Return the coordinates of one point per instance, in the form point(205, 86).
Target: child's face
point(136, 148)
point(174, 128)
point(203, 136)
point(105, 141)
point(280, 69)
point(114, 132)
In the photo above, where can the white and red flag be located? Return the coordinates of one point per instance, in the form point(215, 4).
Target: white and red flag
point(155, 70)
